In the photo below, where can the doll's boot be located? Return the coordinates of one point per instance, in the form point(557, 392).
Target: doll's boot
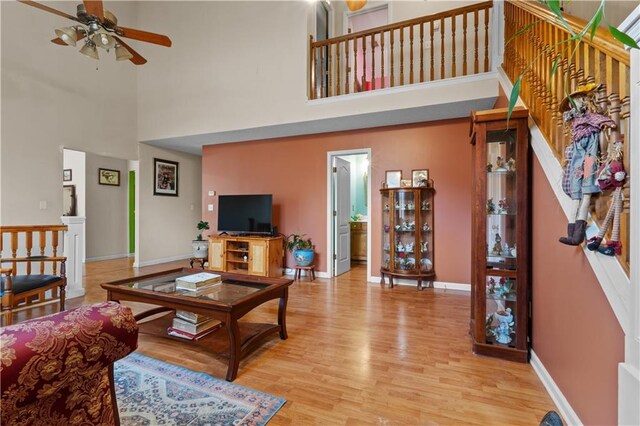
point(593, 243)
point(578, 234)
point(570, 227)
point(611, 248)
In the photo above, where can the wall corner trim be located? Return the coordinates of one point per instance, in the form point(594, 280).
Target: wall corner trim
point(615, 283)
point(567, 413)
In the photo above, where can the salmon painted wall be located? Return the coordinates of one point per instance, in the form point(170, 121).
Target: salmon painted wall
point(575, 333)
point(294, 170)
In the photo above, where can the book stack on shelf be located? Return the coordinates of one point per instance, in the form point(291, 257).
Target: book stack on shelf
point(189, 325)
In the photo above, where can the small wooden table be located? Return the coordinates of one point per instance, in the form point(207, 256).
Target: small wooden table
point(311, 272)
point(236, 296)
point(201, 260)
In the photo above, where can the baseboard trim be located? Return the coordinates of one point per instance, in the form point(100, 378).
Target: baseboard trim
point(570, 417)
point(443, 285)
point(70, 294)
point(163, 260)
point(318, 274)
point(110, 257)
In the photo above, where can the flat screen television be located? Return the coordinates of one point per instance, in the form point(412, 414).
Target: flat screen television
point(245, 214)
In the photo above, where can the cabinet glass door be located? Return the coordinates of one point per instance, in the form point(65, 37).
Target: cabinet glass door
point(386, 228)
point(405, 228)
point(426, 222)
point(501, 237)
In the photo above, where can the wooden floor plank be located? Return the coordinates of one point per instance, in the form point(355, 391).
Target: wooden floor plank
point(359, 354)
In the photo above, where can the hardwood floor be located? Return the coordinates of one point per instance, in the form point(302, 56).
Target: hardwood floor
point(360, 354)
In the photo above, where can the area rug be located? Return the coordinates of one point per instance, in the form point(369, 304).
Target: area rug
point(152, 392)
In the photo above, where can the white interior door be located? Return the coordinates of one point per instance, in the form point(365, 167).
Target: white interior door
point(342, 206)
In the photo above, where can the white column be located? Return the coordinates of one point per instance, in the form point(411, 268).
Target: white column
point(497, 34)
point(629, 370)
point(74, 252)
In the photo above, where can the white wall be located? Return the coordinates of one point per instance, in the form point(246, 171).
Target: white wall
point(167, 225)
point(54, 97)
point(106, 225)
point(76, 162)
point(222, 76)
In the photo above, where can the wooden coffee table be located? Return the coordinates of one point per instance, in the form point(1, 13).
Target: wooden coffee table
point(236, 296)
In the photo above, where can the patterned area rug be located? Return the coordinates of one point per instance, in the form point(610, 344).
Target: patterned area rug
point(152, 392)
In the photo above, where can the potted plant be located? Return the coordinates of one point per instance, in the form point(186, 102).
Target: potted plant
point(200, 246)
point(302, 249)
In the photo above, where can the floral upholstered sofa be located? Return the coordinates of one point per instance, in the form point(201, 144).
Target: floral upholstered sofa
point(58, 369)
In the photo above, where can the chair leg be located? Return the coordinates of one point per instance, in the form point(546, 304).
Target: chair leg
point(62, 297)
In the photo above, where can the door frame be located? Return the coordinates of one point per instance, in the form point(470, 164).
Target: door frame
point(330, 230)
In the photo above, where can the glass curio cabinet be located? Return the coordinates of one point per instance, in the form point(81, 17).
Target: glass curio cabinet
point(407, 234)
point(500, 291)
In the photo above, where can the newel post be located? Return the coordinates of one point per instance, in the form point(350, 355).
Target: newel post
point(74, 252)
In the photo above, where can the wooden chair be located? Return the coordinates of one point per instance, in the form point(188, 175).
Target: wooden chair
point(29, 279)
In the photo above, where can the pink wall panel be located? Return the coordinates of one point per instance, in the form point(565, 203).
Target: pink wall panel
point(575, 332)
point(294, 170)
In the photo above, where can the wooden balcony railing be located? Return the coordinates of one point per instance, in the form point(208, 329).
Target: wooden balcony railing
point(443, 45)
point(601, 60)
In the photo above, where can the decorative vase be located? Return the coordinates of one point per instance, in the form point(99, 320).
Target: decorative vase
point(200, 249)
point(303, 257)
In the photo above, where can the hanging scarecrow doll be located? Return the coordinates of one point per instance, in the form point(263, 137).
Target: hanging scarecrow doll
point(580, 173)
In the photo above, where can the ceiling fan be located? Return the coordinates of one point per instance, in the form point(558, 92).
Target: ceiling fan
point(99, 28)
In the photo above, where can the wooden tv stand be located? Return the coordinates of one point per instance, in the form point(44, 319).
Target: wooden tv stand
point(259, 256)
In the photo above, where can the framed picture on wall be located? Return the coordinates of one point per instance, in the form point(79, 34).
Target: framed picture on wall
point(393, 178)
point(420, 177)
point(66, 175)
point(165, 177)
point(69, 200)
point(109, 177)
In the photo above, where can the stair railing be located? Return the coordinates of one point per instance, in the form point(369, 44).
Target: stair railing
point(438, 46)
point(602, 60)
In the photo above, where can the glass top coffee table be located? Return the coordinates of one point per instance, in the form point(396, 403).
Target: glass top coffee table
point(227, 302)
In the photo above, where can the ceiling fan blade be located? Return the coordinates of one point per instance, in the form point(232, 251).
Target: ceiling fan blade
point(137, 58)
point(59, 41)
point(94, 7)
point(49, 9)
point(154, 38)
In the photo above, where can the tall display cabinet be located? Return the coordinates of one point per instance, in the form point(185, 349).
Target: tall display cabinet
point(407, 234)
point(500, 277)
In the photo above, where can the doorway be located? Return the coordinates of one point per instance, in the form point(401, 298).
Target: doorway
point(367, 78)
point(348, 210)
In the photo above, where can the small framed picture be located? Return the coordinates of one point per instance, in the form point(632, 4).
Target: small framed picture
point(165, 177)
point(393, 178)
point(109, 177)
point(405, 183)
point(420, 177)
point(67, 175)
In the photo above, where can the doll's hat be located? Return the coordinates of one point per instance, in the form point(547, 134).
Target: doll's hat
point(565, 105)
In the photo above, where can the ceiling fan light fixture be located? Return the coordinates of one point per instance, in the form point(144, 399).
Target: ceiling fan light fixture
point(122, 54)
point(67, 34)
point(103, 40)
point(89, 49)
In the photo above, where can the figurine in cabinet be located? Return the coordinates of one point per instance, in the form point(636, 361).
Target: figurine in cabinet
point(491, 206)
point(500, 164)
point(410, 206)
point(503, 206)
point(399, 247)
point(497, 245)
point(425, 227)
point(511, 165)
point(424, 246)
point(489, 167)
point(408, 247)
point(426, 205)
